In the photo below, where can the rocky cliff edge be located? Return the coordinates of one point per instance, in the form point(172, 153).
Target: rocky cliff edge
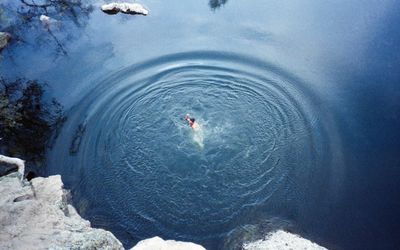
point(36, 215)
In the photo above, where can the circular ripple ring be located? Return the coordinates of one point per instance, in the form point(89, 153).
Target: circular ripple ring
point(134, 161)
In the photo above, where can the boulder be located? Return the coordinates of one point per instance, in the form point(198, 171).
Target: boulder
point(282, 240)
point(126, 8)
point(156, 243)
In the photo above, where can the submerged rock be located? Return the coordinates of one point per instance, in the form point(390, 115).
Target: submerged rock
point(160, 244)
point(282, 240)
point(36, 215)
point(126, 8)
point(4, 40)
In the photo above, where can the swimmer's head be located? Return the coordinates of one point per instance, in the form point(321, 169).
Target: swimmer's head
point(192, 119)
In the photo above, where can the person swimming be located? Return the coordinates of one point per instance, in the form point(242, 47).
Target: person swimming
point(198, 136)
point(192, 122)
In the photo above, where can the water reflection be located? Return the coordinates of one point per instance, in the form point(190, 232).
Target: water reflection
point(26, 115)
point(215, 4)
point(43, 23)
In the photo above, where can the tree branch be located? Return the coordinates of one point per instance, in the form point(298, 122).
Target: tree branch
point(35, 5)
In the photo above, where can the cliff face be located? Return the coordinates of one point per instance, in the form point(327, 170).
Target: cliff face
point(35, 215)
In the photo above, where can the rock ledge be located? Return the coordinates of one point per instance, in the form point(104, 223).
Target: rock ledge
point(36, 215)
point(282, 240)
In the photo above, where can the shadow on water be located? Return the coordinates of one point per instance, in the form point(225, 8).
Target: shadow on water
point(26, 115)
point(215, 4)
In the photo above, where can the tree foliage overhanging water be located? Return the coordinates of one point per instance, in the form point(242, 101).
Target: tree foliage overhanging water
point(27, 119)
point(22, 19)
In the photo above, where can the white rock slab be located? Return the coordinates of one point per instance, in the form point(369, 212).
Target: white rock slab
point(126, 8)
point(14, 161)
point(281, 240)
point(156, 243)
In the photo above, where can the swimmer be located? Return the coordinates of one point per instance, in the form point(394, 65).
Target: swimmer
point(192, 122)
point(198, 132)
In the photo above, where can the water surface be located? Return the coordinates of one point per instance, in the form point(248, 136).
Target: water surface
point(298, 103)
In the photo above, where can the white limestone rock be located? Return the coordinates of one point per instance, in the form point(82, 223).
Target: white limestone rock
point(126, 8)
point(36, 215)
point(281, 240)
point(156, 243)
point(14, 161)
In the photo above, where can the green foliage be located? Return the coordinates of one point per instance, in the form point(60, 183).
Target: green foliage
point(26, 119)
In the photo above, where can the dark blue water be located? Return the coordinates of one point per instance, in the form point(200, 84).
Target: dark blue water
point(298, 104)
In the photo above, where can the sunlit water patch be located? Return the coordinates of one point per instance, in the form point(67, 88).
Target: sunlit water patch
point(137, 168)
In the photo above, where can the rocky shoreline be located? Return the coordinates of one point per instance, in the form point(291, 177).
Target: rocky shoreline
point(36, 215)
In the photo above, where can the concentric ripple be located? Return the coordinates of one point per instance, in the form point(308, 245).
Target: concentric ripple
point(134, 165)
